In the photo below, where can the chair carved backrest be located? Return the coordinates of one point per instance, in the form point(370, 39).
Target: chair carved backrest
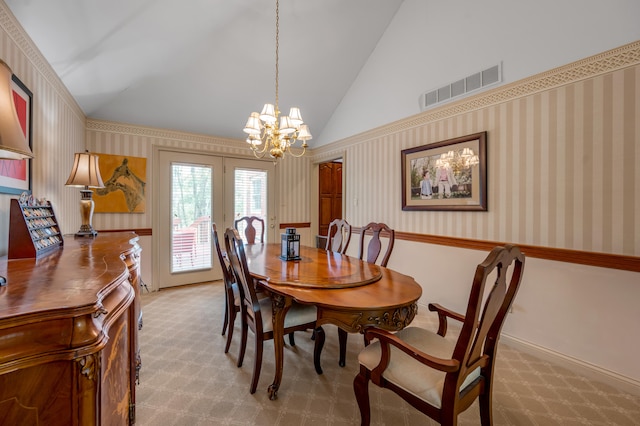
point(468, 373)
point(480, 332)
point(232, 302)
point(338, 236)
point(250, 231)
point(238, 259)
point(227, 275)
point(374, 248)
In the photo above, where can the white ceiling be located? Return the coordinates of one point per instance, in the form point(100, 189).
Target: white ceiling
point(203, 65)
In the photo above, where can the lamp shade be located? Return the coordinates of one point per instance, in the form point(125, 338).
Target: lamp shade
point(268, 114)
point(13, 144)
point(85, 171)
point(304, 134)
point(253, 124)
point(295, 116)
point(286, 127)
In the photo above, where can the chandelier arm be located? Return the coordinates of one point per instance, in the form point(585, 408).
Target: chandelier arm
point(260, 153)
point(304, 150)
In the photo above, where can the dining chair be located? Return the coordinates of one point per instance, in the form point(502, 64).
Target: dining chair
point(247, 225)
point(257, 312)
point(338, 236)
point(443, 377)
point(374, 246)
point(373, 251)
point(231, 291)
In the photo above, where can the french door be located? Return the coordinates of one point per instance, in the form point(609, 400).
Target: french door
point(189, 199)
point(194, 190)
point(249, 191)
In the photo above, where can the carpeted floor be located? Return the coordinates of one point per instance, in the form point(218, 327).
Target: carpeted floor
point(187, 380)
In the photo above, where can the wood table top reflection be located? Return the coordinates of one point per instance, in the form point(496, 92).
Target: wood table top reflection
point(316, 268)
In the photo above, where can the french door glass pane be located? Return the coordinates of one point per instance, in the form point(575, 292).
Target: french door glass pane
point(250, 196)
point(191, 207)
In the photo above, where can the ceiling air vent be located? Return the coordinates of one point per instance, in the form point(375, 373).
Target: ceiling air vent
point(472, 83)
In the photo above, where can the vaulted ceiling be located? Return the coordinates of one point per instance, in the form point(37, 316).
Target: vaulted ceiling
point(202, 66)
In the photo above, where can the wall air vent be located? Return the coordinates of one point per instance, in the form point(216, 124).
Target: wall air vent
point(475, 82)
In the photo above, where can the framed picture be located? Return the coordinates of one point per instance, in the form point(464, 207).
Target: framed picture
point(447, 175)
point(124, 184)
point(15, 175)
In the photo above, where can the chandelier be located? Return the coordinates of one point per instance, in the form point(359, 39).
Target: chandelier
point(277, 134)
point(458, 160)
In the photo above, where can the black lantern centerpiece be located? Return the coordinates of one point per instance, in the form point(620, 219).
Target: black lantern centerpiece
point(290, 245)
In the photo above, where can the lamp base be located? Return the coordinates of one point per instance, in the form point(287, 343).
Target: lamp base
point(86, 212)
point(86, 231)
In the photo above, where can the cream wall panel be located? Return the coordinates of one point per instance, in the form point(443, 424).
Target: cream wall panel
point(563, 154)
point(116, 138)
point(561, 169)
point(58, 127)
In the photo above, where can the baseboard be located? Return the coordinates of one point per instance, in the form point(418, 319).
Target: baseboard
point(583, 368)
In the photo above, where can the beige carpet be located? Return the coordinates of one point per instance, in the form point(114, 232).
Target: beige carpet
point(187, 380)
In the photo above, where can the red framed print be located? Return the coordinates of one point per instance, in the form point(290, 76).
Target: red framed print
point(15, 175)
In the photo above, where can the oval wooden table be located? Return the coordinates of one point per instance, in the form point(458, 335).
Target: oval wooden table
point(346, 291)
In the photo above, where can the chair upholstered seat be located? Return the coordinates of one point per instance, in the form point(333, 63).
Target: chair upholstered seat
point(441, 377)
point(236, 294)
point(257, 312)
point(420, 380)
point(297, 314)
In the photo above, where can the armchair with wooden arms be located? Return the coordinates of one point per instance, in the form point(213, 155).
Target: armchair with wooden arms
point(439, 377)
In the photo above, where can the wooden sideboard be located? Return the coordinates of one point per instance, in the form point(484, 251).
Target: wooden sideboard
point(69, 351)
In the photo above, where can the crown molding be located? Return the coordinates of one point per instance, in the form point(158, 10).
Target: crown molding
point(153, 132)
point(606, 62)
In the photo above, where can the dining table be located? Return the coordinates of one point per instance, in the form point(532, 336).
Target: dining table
point(347, 292)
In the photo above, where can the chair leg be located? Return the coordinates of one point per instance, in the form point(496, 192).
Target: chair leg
point(225, 322)
point(257, 364)
point(292, 341)
point(232, 322)
point(486, 413)
point(342, 340)
point(361, 389)
point(317, 348)
point(243, 339)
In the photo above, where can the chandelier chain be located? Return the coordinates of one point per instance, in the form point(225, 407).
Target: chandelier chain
point(276, 134)
point(277, 47)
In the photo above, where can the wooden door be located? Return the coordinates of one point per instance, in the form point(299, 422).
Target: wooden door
point(330, 190)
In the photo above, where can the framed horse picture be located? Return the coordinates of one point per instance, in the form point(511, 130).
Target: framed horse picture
point(124, 180)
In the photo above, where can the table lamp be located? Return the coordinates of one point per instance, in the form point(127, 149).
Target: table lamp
point(86, 174)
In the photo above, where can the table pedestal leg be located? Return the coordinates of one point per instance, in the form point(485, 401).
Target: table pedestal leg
point(280, 306)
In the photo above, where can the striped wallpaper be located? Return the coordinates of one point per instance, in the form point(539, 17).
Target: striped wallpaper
point(58, 127)
point(563, 152)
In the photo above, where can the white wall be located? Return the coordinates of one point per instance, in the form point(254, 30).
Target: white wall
point(585, 313)
point(433, 43)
